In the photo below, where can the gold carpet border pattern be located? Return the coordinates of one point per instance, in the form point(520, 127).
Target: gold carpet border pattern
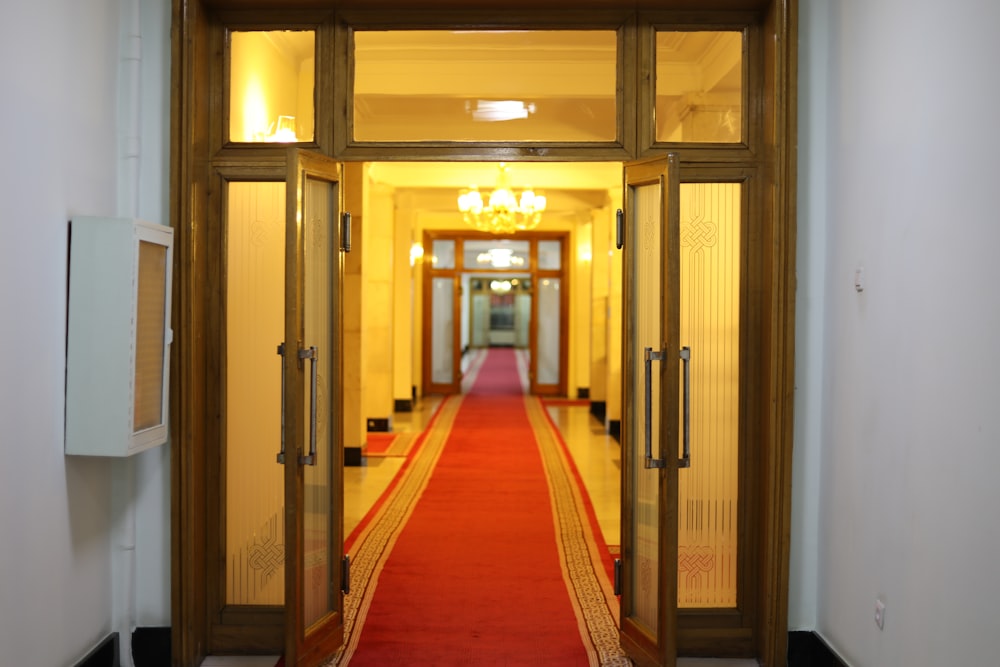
point(592, 594)
point(375, 543)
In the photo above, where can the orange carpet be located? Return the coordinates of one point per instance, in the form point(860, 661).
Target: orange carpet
point(476, 575)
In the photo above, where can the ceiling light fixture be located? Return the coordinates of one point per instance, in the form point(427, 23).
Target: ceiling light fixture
point(506, 212)
point(493, 111)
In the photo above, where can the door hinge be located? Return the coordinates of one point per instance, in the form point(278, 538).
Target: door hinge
point(618, 576)
point(345, 575)
point(345, 232)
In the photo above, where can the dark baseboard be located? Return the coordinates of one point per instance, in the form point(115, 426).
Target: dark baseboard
point(151, 647)
point(403, 405)
point(105, 654)
point(352, 456)
point(615, 429)
point(598, 409)
point(583, 392)
point(807, 649)
point(379, 424)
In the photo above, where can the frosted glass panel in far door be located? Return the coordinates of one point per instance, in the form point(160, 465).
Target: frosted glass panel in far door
point(443, 330)
point(710, 325)
point(647, 332)
point(255, 310)
point(319, 555)
point(549, 324)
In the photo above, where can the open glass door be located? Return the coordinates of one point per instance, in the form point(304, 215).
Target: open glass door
point(651, 419)
point(312, 398)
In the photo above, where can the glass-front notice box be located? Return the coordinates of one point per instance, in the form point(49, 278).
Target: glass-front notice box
point(272, 82)
point(699, 87)
point(485, 85)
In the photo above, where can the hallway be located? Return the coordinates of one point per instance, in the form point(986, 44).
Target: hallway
point(371, 487)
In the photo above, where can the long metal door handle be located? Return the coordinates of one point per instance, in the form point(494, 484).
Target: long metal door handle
point(313, 356)
point(649, 357)
point(619, 229)
point(281, 454)
point(685, 460)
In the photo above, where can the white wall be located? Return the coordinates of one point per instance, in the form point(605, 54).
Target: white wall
point(897, 453)
point(58, 126)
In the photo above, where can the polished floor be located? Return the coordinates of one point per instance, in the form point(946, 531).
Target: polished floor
point(596, 455)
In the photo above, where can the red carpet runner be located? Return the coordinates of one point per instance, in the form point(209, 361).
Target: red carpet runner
point(475, 575)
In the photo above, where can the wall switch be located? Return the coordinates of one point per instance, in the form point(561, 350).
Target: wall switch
point(880, 613)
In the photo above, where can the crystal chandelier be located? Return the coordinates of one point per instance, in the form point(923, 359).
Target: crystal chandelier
point(506, 212)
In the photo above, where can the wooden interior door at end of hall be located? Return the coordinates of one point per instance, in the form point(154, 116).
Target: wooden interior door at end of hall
point(648, 233)
point(317, 235)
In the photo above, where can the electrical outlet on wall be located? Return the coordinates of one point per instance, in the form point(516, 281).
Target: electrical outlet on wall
point(880, 613)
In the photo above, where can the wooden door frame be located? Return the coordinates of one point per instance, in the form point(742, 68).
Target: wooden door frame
point(460, 236)
point(195, 109)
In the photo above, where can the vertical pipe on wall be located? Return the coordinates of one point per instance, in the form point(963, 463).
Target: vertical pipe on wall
point(123, 473)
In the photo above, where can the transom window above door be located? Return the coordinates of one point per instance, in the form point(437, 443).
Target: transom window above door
point(272, 75)
point(485, 85)
point(699, 86)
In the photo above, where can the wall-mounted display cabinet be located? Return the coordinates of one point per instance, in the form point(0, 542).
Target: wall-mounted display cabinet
point(119, 335)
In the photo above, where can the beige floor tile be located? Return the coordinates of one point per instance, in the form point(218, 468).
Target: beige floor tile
point(597, 457)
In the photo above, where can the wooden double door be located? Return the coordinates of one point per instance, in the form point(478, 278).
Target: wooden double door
point(688, 436)
point(690, 486)
point(275, 537)
point(457, 293)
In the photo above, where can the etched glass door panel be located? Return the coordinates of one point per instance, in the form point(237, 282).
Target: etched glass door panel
point(318, 559)
point(314, 408)
point(650, 413)
point(710, 325)
point(254, 524)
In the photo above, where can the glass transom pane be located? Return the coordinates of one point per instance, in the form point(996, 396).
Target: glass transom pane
point(699, 87)
point(485, 86)
point(443, 254)
point(271, 81)
point(500, 254)
point(550, 255)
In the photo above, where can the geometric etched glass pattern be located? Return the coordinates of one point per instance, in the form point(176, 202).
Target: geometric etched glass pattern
point(255, 306)
point(319, 316)
point(699, 87)
point(647, 333)
point(710, 324)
